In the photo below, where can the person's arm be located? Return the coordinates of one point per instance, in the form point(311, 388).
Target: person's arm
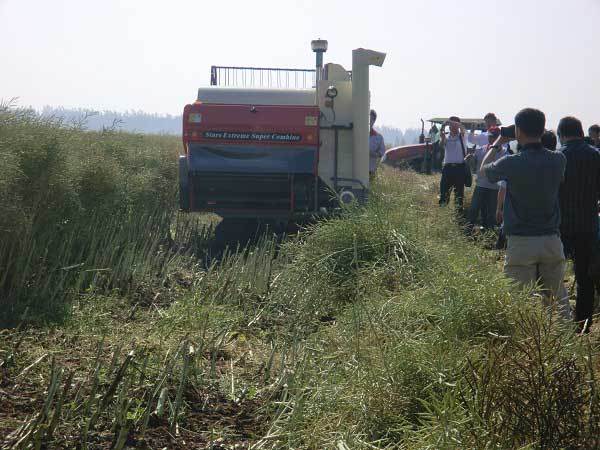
point(500, 204)
point(373, 149)
point(471, 159)
point(488, 159)
point(475, 158)
point(443, 134)
point(463, 135)
point(598, 182)
point(381, 147)
point(477, 139)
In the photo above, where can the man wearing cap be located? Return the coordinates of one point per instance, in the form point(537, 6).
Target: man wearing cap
point(485, 195)
point(376, 146)
point(454, 166)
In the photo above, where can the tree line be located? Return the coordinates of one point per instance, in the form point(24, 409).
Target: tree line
point(152, 123)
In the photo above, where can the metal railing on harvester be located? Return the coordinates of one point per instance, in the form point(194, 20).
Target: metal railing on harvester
point(265, 77)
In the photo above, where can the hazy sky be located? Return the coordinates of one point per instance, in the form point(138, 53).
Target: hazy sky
point(444, 57)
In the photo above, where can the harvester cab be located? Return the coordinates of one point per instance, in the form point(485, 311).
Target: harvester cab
point(278, 145)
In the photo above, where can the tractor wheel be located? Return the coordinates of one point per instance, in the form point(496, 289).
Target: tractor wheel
point(416, 165)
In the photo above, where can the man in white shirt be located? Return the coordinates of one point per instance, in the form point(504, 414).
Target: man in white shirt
point(485, 195)
point(376, 146)
point(454, 167)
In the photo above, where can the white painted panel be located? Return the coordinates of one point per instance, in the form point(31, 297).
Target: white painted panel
point(244, 96)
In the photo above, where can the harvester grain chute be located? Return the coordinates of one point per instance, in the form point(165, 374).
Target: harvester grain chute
point(290, 149)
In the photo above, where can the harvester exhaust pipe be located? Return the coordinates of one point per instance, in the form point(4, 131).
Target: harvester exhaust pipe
point(361, 60)
point(319, 46)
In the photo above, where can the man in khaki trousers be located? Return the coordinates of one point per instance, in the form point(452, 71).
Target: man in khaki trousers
point(531, 209)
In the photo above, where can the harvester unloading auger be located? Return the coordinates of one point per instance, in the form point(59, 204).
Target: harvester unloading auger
point(278, 155)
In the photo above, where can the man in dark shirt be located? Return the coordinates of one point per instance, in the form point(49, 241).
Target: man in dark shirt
point(579, 195)
point(531, 210)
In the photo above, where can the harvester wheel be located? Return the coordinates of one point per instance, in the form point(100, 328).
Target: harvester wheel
point(235, 232)
point(231, 232)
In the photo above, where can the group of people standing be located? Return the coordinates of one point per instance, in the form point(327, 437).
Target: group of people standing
point(546, 201)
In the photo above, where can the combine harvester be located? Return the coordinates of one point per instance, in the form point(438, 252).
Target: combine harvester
point(274, 147)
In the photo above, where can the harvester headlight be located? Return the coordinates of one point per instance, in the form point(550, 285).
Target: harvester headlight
point(195, 118)
point(332, 92)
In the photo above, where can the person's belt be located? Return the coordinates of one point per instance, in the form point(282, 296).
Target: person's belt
point(454, 164)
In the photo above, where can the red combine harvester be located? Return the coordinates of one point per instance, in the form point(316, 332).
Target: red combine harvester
point(274, 146)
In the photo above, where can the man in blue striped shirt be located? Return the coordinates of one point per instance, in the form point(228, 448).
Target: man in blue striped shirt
point(579, 195)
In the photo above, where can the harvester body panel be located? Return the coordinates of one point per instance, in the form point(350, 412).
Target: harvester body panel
point(257, 160)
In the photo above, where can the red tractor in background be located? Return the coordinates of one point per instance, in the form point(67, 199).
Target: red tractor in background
point(426, 155)
point(293, 148)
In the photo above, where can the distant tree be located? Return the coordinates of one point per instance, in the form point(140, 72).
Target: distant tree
point(390, 135)
point(411, 135)
point(135, 121)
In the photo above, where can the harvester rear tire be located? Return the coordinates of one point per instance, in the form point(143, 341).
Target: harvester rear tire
point(237, 233)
